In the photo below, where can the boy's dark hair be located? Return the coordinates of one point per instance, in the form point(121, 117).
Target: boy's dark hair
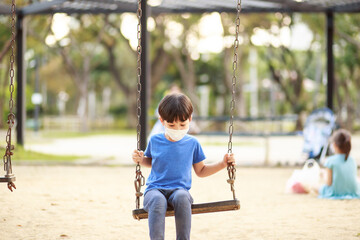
point(342, 139)
point(175, 106)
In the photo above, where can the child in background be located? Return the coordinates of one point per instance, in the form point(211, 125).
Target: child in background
point(341, 170)
point(171, 156)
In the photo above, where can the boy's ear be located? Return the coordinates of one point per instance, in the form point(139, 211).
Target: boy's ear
point(161, 120)
point(190, 118)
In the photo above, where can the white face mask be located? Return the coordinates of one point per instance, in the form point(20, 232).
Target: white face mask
point(176, 135)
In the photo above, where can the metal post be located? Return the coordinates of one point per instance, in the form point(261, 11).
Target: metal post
point(21, 77)
point(330, 59)
point(37, 104)
point(145, 74)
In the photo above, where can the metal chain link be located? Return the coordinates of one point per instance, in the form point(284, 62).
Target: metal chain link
point(231, 169)
point(139, 181)
point(139, 178)
point(11, 115)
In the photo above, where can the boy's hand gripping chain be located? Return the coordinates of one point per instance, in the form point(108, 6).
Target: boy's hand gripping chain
point(139, 178)
point(11, 116)
point(231, 169)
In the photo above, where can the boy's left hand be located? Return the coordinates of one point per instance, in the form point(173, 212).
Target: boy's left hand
point(229, 158)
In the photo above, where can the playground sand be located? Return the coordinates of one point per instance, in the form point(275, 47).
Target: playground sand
point(78, 202)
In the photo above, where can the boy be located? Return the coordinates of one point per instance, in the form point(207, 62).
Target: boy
point(171, 155)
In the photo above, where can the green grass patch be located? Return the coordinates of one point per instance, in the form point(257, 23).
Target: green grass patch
point(20, 154)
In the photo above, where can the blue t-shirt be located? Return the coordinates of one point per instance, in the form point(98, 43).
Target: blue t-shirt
point(344, 181)
point(172, 162)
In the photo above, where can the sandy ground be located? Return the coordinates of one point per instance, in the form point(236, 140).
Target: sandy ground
point(94, 202)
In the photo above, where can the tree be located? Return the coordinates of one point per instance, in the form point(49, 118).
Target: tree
point(289, 68)
point(180, 52)
point(123, 70)
point(347, 68)
point(77, 50)
point(5, 42)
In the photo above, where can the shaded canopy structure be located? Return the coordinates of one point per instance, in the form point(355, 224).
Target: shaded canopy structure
point(149, 7)
point(187, 6)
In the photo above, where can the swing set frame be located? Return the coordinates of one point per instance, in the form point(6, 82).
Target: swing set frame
point(229, 205)
point(9, 177)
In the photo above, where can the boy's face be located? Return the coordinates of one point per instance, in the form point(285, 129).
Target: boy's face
point(176, 125)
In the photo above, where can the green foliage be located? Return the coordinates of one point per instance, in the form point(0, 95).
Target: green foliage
point(347, 66)
point(119, 111)
point(91, 36)
point(4, 30)
point(22, 155)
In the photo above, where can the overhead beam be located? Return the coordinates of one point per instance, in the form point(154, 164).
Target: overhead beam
point(85, 11)
point(178, 7)
point(296, 6)
point(231, 10)
point(348, 7)
point(104, 6)
point(163, 10)
point(40, 7)
point(5, 9)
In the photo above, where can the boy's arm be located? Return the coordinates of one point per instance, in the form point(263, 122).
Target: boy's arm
point(203, 170)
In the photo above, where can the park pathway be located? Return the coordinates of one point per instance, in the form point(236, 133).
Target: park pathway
point(117, 149)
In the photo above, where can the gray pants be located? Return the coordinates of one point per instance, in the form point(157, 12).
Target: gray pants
point(156, 202)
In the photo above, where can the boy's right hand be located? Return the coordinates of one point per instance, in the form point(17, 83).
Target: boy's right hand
point(138, 156)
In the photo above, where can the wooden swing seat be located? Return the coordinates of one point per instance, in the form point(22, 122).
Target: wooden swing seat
point(196, 208)
point(8, 178)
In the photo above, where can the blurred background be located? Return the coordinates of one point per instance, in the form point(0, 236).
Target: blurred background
point(81, 78)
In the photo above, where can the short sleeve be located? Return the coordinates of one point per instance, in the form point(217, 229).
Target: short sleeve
point(329, 163)
point(148, 149)
point(198, 153)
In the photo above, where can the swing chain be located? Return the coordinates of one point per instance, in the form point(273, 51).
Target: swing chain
point(231, 169)
point(139, 181)
point(11, 115)
point(139, 178)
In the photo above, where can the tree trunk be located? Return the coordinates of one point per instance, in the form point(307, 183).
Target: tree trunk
point(239, 97)
point(339, 102)
point(188, 76)
point(5, 49)
point(132, 109)
point(81, 78)
point(82, 112)
point(84, 81)
point(292, 98)
point(350, 108)
point(129, 92)
point(228, 75)
point(158, 68)
point(3, 89)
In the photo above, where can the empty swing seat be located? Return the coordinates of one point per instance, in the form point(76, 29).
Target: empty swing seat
point(10, 178)
point(221, 206)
